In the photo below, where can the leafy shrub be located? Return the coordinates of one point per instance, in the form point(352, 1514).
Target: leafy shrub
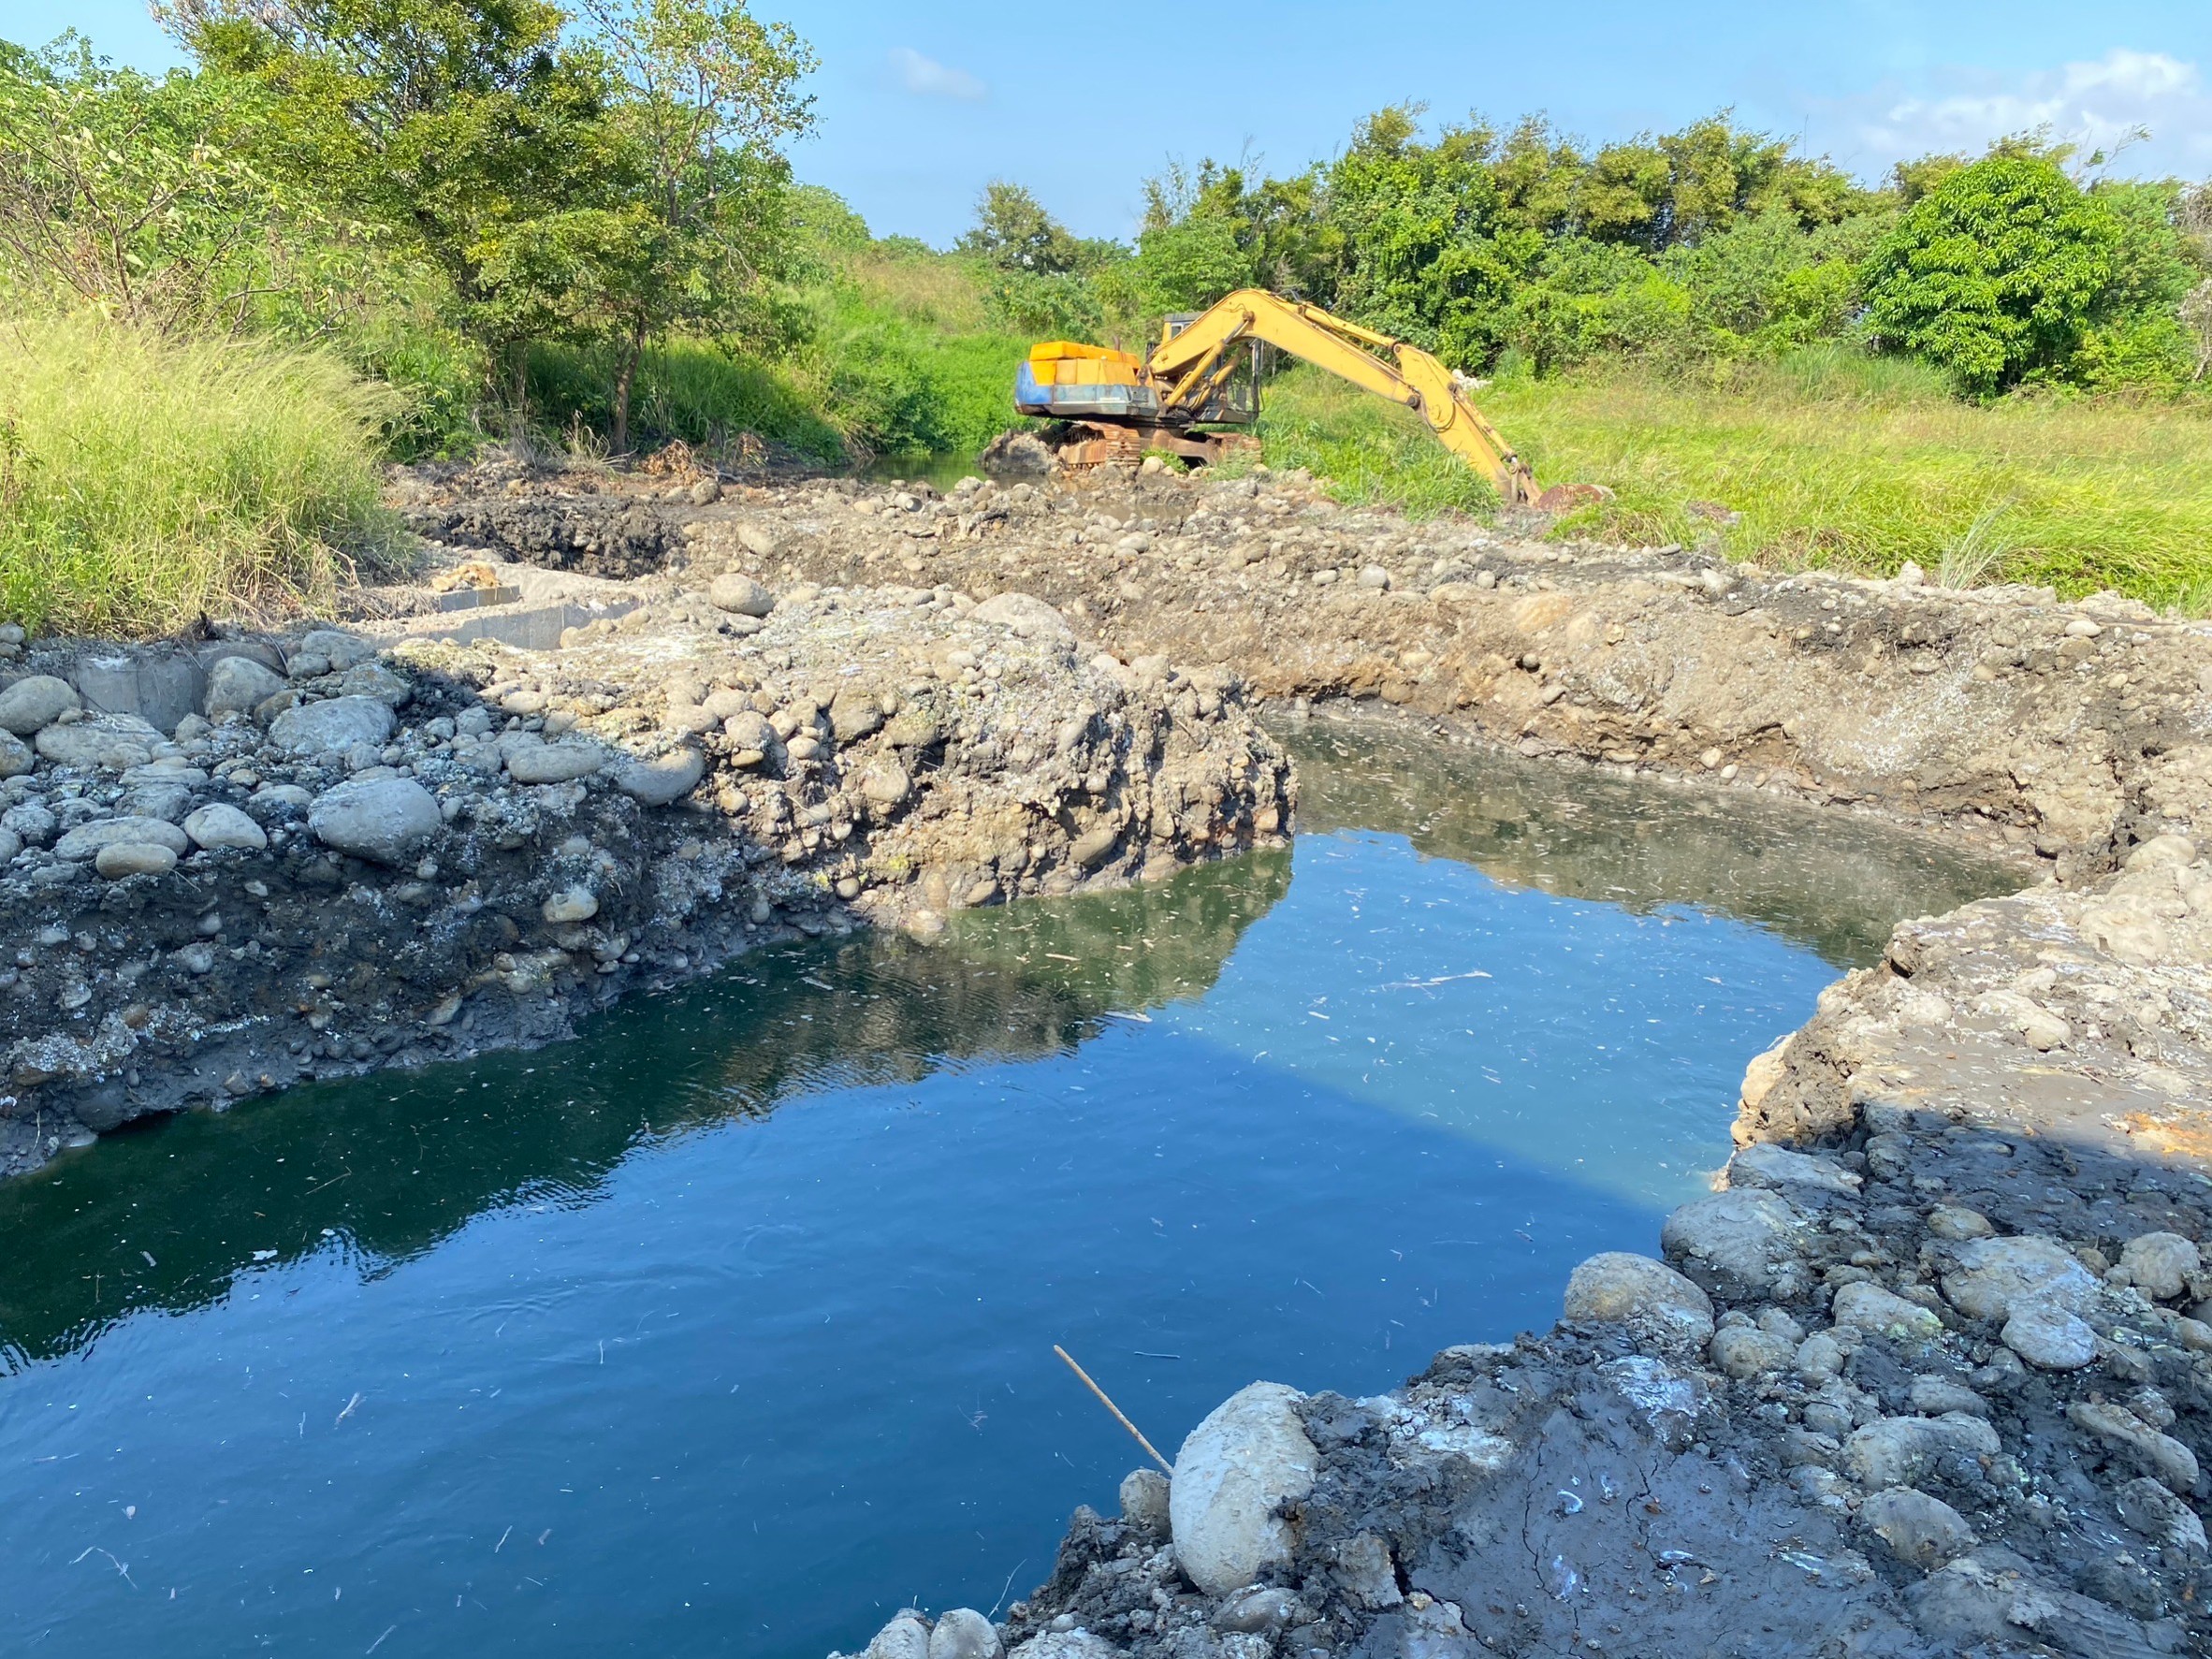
point(1996, 273)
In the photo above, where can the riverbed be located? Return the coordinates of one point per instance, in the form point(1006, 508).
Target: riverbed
point(729, 1328)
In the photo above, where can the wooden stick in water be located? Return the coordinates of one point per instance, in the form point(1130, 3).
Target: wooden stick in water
point(1110, 1405)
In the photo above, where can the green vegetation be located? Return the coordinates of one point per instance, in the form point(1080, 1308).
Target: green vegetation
point(144, 481)
point(1831, 460)
point(417, 225)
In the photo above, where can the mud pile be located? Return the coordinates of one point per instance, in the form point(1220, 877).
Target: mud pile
point(360, 850)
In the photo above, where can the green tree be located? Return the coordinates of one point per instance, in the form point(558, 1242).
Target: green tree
point(689, 220)
point(464, 125)
point(1013, 232)
point(126, 192)
point(1996, 273)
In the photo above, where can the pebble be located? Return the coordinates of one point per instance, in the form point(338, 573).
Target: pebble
point(16, 757)
point(1144, 1500)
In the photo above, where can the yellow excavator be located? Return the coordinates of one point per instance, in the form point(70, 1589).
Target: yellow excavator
point(1206, 370)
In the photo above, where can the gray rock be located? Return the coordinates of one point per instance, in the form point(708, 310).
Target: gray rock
point(2049, 1338)
point(35, 823)
point(384, 820)
point(2156, 1452)
point(2161, 1264)
point(161, 688)
point(1745, 1238)
point(1869, 1307)
point(748, 730)
point(1233, 1472)
point(1144, 1499)
point(1994, 1273)
point(1621, 1288)
point(34, 702)
point(1365, 1573)
point(1900, 1451)
point(964, 1634)
point(906, 1636)
point(1765, 1164)
point(1067, 1644)
point(740, 595)
point(1958, 1223)
point(220, 828)
point(166, 801)
point(10, 844)
point(1265, 1611)
point(238, 686)
point(662, 781)
point(2151, 1509)
point(759, 540)
point(1745, 1351)
point(856, 714)
point(1932, 1396)
point(119, 859)
point(886, 784)
point(106, 743)
point(87, 838)
point(15, 756)
point(554, 762)
point(1025, 614)
point(341, 649)
point(1926, 1532)
point(1095, 845)
point(1820, 1357)
point(1376, 577)
point(572, 904)
point(1988, 1596)
point(332, 727)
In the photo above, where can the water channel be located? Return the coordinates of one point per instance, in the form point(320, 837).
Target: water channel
point(729, 1329)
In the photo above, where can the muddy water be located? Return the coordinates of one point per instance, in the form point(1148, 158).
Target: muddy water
point(729, 1329)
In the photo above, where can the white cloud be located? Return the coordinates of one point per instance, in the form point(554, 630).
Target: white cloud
point(2095, 104)
point(925, 77)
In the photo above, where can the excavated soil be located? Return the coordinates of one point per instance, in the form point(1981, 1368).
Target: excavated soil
point(1925, 1374)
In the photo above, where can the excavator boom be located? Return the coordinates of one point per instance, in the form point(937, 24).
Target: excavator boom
point(1186, 363)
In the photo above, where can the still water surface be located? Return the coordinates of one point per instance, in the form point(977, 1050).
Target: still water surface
point(729, 1329)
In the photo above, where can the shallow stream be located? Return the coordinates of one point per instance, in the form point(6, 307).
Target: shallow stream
point(729, 1329)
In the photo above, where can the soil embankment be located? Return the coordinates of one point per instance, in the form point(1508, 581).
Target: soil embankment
point(1925, 1376)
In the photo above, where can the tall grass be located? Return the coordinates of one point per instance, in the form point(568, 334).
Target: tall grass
point(143, 482)
point(1832, 459)
point(1371, 452)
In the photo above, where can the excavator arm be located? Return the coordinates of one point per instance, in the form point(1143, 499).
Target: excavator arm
point(1191, 363)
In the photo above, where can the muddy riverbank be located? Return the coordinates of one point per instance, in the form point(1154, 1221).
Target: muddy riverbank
point(1925, 1375)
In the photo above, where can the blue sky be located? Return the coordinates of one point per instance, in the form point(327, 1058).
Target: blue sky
point(921, 104)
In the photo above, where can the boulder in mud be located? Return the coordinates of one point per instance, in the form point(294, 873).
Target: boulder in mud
point(106, 743)
point(662, 781)
point(221, 828)
point(1618, 1287)
point(238, 686)
point(383, 820)
point(1233, 1474)
point(119, 859)
point(553, 762)
point(2049, 1338)
point(1745, 1241)
point(34, 702)
point(87, 839)
point(964, 1634)
point(906, 1636)
point(2161, 1264)
point(740, 595)
point(2147, 1508)
point(1992, 1276)
point(1067, 1644)
point(1883, 1313)
point(333, 727)
point(1025, 613)
point(1919, 1529)
point(15, 756)
point(1902, 1450)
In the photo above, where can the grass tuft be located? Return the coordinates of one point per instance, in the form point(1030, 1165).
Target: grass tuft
point(144, 482)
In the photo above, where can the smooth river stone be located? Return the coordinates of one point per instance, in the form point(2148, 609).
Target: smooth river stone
point(34, 702)
point(87, 838)
point(333, 727)
point(119, 859)
point(384, 820)
point(1249, 1457)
